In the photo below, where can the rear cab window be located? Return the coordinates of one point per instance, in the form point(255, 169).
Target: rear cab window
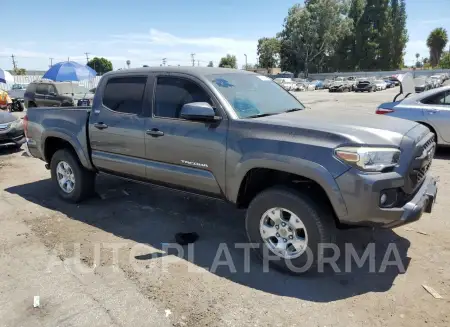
point(125, 94)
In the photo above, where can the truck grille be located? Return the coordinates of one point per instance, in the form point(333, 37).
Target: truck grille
point(421, 164)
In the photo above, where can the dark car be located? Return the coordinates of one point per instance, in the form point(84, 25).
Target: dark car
point(46, 93)
point(392, 79)
point(11, 130)
point(365, 86)
point(389, 83)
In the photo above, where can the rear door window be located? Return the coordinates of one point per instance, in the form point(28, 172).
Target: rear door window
point(42, 89)
point(125, 94)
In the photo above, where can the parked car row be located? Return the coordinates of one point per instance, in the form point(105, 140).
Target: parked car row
point(299, 84)
point(373, 85)
point(423, 83)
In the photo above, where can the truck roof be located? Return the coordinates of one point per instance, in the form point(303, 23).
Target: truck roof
point(191, 70)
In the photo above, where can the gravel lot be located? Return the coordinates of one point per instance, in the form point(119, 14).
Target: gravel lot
point(63, 254)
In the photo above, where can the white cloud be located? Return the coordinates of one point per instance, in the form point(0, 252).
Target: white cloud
point(436, 21)
point(141, 48)
point(156, 43)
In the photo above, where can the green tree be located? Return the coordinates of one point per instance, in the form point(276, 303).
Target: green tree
point(376, 30)
point(268, 50)
point(210, 64)
point(228, 62)
point(399, 33)
point(445, 61)
point(436, 42)
point(347, 54)
point(312, 31)
point(20, 71)
point(100, 65)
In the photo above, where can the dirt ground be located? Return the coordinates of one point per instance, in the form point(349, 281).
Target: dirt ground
point(63, 254)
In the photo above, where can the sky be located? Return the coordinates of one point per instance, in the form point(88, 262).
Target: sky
point(146, 31)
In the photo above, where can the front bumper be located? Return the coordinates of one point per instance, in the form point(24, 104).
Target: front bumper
point(361, 194)
point(12, 137)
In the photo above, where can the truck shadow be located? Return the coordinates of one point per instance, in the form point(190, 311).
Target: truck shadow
point(152, 216)
point(442, 153)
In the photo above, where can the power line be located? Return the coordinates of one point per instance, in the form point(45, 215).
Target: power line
point(193, 59)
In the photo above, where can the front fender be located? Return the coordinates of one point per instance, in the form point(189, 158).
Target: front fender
point(79, 148)
point(292, 165)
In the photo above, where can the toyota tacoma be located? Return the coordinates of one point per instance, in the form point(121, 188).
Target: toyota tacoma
point(240, 137)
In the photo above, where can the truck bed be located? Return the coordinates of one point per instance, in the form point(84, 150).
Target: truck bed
point(67, 123)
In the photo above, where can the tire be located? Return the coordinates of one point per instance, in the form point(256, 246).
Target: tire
point(84, 179)
point(317, 220)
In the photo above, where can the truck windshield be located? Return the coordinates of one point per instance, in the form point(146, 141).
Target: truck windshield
point(253, 95)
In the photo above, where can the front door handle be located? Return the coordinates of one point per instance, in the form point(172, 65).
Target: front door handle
point(433, 111)
point(154, 132)
point(100, 126)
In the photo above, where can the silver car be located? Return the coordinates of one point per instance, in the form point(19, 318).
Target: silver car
point(430, 108)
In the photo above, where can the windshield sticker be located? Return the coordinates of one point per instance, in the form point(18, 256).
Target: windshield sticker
point(222, 82)
point(263, 78)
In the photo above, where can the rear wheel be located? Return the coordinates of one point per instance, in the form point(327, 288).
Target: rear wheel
point(289, 227)
point(73, 182)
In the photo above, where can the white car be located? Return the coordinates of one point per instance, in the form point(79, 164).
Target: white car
point(437, 80)
point(17, 91)
point(287, 83)
point(381, 85)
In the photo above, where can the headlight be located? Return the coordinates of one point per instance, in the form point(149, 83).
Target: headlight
point(369, 159)
point(17, 124)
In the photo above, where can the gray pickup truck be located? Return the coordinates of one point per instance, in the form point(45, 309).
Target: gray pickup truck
point(240, 137)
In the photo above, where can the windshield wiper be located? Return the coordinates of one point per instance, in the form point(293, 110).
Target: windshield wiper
point(261, 115)
point(293, 109)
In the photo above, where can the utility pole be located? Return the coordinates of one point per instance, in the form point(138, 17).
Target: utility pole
point(193, 59)
point(198, 63)
point(246, 67)
point(164, 61)
point(51, 62)
point(87, 56)
point(14, 62)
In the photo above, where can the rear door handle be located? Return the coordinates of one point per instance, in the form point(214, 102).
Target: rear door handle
point(100, 126)
point(155, 132)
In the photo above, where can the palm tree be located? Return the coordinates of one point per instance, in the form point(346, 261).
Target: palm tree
point(417, 56)
point(436, 42)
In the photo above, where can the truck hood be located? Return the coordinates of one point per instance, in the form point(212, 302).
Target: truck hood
point(363, 128)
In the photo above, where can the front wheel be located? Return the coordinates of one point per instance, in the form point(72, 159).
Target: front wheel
point(289, 228)
point(73, 182)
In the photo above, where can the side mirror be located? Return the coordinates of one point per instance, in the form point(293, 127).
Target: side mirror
point(199, 111)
